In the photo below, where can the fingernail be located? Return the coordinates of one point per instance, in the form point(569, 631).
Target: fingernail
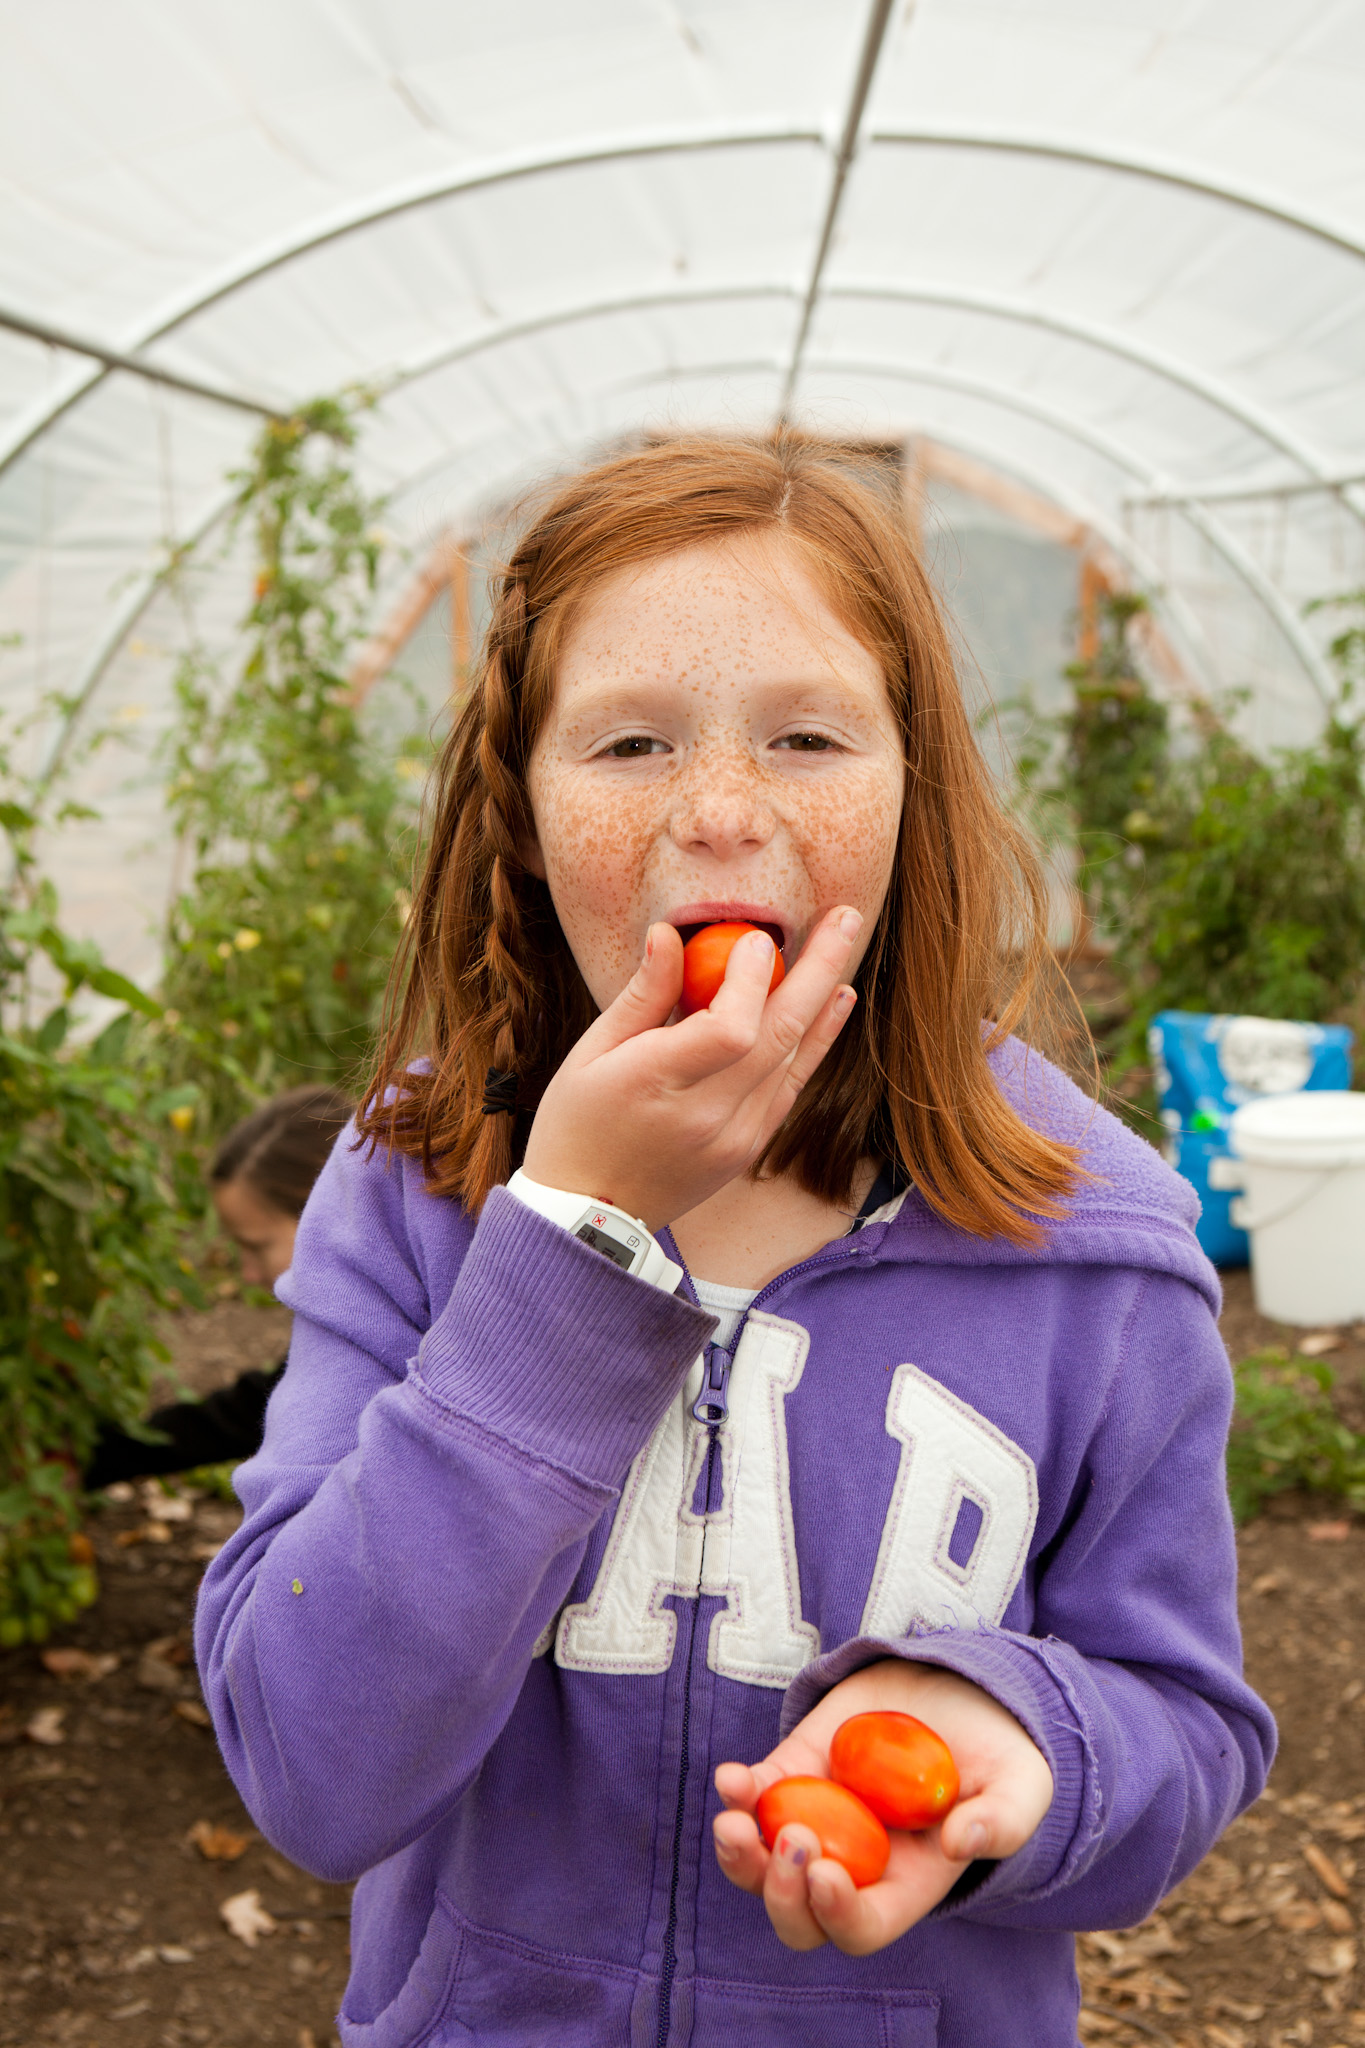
point(794, 1854)
point(726, 1852)
point(759, 942)
point(649, 943)
point(975, 1840)
point(844, 1001)
point(851, 923)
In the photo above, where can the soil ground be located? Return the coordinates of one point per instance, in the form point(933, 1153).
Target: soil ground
point(111, 1924)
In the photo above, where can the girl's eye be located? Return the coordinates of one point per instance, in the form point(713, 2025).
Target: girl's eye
point(805, 742)
point(634, 747)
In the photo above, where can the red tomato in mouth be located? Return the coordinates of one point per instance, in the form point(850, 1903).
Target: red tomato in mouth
point(897, 1766)
point(846, 1829)
point(704, 958)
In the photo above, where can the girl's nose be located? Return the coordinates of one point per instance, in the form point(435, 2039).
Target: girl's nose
point(723, 815)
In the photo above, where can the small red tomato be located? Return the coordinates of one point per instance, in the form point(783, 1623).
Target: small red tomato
point(897, 1766)
point(704, 958)
point(846, 1829)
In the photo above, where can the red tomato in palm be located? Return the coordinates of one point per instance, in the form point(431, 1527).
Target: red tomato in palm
point(897, 1766)
point(847, 1831)
point(704, 958)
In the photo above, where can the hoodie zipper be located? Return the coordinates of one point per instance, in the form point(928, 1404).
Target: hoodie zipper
point(711, 1407)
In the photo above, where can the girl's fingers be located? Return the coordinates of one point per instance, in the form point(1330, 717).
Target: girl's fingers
point(972, 1830)
point(1000, 1820)
point(861, 1922)
point(814, 1046)
point(737, 1057)
point(647, 1000)
point(740, 1850)
point(740, 1785)
point(804, 1016)
point(745, 1023)
point(840, 1910)
point(830, 944)
point(738, 1021)
point(713, 1040)
point(774, 1099)
point(786, 1892)
point(810, 1899)
point(737, 1787)
point(1008, 1789)
point(750, 965)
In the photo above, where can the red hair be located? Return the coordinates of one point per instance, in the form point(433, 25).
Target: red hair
point(484, 977)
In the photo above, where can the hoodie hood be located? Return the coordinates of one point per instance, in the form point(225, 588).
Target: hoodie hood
point(1133, 1210)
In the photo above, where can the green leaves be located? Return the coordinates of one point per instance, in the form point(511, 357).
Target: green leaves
point(1227, 882)
point(89, 1233)
point(298, 830)
point(106, 982)
point(29, 924)
point(1114, 764)
point(1255, 900)
point(278, 950)
point(89, 1251)
point(1286, 1434)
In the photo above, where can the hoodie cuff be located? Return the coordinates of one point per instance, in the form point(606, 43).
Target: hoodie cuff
point(551, 1347)
point(1016, 1671)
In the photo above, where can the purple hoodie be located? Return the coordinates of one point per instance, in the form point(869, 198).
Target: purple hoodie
point(499, 1606)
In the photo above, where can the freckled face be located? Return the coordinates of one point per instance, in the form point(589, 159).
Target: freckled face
point(718, 744)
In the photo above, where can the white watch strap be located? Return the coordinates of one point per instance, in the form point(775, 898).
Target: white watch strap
point(619, 1237)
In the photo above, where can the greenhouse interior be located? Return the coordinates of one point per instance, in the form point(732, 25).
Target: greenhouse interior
point(301, 306)
point(1098, 278)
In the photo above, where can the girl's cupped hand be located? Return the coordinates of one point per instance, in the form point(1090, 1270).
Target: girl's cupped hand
point(810, 1899)
point(655, 1120)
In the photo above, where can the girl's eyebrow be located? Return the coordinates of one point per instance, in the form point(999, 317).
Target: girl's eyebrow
point(593, 695)
point(599, 705)
point(593, 706)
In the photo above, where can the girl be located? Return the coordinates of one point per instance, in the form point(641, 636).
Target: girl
point(261, 1176)
point(664, 1392)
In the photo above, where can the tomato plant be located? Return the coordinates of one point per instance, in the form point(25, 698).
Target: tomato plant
point(704, 960)
point(847, 1829)
point(297, 826)
point(89, 1232)
point(1230, 879)
point(897, 1766)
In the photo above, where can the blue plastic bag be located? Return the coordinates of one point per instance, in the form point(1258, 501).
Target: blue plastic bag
point(1208, 1066)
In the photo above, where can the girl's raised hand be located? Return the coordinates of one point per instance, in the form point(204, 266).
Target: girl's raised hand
point(657, 1120)
point(810, 1899)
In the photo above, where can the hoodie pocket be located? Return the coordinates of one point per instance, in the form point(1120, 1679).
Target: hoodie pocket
point(411, 2019)
point(519, 1995)
point(829, 2018)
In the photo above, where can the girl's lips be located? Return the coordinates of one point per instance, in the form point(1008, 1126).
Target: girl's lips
point(694, 916)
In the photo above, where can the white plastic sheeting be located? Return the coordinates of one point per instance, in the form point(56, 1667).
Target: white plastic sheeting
point(1115, 253)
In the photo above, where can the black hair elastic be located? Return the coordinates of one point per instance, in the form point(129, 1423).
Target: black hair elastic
point(500, 1092)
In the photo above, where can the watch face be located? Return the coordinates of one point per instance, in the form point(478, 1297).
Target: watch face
point(622, 1251)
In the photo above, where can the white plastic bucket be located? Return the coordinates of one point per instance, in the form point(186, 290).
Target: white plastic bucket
point(1300, 1160)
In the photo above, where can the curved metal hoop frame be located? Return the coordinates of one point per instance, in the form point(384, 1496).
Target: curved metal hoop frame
point(401, 199)
point(1081, 508)
point(398, 200)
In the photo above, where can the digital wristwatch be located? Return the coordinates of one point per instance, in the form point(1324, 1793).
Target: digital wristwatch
point(603, 1228)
